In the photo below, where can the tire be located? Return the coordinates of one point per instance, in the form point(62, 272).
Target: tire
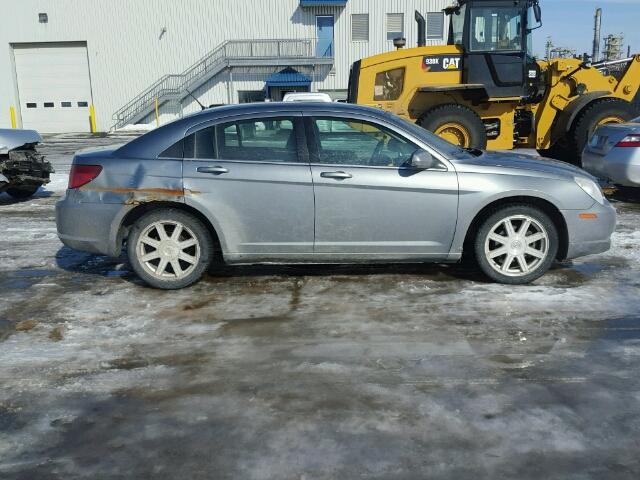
point(590, 118)
point(23, 191)
point(195, 256)
point(546, 245)
point(456, 123)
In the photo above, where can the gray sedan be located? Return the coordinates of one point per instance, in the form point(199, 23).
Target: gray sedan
point(324, 183)
point(613, 153)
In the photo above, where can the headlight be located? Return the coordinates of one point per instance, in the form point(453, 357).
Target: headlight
point(591, 188)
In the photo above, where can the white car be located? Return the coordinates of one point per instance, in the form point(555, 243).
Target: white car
point(307, 97)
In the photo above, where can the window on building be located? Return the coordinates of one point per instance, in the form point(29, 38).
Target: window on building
point(250, 96)
point(389, 84)
point(83, 104)
point(395, 25)
point(435, 25)
point(360, 27)
point(263, 139)
point(48, 104)
point(359, 143)
point(32, 105)
point(65, 104)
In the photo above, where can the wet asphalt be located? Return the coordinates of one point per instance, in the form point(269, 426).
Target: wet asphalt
point(318, 372)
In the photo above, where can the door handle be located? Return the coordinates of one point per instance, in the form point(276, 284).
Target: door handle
point(217, 170)
point(336, 175)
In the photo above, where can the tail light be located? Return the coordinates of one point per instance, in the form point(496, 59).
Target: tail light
point(629, 141)
point(82, 174)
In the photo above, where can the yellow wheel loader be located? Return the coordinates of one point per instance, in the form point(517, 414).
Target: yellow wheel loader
point(484, 89)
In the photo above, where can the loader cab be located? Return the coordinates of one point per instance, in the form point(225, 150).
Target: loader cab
point(497, 41)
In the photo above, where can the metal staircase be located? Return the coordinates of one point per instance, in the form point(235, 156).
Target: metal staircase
point(233, 53)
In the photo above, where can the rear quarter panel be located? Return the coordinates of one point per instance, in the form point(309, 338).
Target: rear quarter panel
point(131, 181)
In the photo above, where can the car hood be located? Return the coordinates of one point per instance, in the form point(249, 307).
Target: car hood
point(514, 164)
point(11, 138)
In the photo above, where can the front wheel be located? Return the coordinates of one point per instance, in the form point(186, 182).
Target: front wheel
point(516, 244)
point(169, 249)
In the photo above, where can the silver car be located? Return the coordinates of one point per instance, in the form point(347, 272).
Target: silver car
point(613, 153)
point(324, 183)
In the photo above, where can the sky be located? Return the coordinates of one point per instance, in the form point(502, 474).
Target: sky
point(570, 23)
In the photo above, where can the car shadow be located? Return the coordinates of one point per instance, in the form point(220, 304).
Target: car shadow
point(74, 261)
point(6, 199)
point(434, 271)
point(626, 194)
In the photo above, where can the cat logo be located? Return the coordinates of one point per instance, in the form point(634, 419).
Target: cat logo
point(441, 63)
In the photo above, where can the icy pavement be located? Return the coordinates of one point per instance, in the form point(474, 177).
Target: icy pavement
point(312, 373)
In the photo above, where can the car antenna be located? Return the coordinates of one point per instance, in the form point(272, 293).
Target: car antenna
point(197, 101)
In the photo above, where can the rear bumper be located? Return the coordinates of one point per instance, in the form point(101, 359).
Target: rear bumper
point(90, 227)
point(588, 236)
point(620, 166)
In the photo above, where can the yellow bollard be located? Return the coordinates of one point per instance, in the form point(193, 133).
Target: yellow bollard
point(92, 118)
point(12, 115)
point(157, 115)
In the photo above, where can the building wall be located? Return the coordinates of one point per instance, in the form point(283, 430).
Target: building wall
point(127, 49)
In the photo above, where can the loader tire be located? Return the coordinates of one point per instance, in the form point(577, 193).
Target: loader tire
point(557, 151)
point(457, 124)
point(600, 112)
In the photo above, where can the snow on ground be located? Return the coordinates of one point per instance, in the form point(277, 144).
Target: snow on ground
point(397, 371)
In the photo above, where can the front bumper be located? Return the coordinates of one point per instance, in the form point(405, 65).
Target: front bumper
point(590, 235)
point(90, 227)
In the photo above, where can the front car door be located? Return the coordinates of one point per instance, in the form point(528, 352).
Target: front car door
point(369, 203)
point(252, 177)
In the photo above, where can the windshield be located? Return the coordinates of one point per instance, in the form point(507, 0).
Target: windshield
point(449, 150)
point(496, 29)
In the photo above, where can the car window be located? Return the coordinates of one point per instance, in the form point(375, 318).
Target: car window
point(266, 139)
point(174, 151)
point(356, 142)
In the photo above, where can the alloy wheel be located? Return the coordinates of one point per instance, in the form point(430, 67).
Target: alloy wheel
point(168, 250)
point(516, 245)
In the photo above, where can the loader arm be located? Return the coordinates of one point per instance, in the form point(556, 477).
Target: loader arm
point(572, 87)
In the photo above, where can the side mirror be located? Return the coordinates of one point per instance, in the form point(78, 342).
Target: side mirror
point(422, 160)
point(537, 13)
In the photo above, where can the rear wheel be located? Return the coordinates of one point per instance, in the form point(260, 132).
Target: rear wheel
point(601, 112)
point(169, 249)
point(23, 191)
point(516, 244)
point(457, 124)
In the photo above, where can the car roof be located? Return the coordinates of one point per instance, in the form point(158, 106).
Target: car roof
point(151, 144)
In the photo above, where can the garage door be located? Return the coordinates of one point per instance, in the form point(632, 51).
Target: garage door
point(54, 86)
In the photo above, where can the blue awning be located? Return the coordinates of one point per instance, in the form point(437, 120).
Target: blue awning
point(323, 3)
point(289, 77)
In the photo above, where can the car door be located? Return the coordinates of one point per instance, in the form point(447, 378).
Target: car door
point(252, 177)
point(369, 202)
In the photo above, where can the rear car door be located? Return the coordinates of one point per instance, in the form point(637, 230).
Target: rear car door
point(369, 202)
point(252, 177)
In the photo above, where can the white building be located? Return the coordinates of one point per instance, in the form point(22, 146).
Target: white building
point(121, 58)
